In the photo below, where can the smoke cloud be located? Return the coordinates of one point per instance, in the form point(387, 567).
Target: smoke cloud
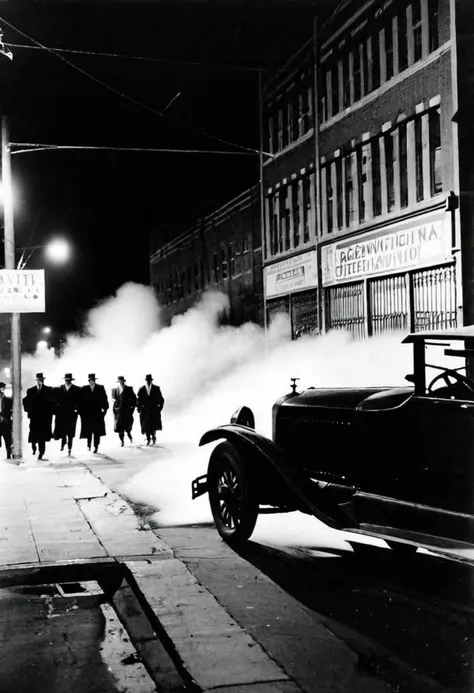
point(206, 371)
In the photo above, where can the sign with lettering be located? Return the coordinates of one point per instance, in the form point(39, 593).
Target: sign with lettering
point(22, 291)
point(294, 274)
point(419, 242)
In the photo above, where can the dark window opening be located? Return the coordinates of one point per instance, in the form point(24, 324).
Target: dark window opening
point(306, 209)
point(433, 25)
point(435, 152)
point(389, 49)
point(296, 216)
point(417, 30)
point(402, 41)
point(357, 73)
point(339, 194)
point(376, 61)
point(403, 165)
point(329, 200)
point(346, 78)
point(362, 178)
point(348, 189)
point(335, 90)
point(376, 178)
point(390, 170)
point(419, 160)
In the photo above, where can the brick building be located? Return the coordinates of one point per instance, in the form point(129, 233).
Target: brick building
point(223, 251)
point(378, 234)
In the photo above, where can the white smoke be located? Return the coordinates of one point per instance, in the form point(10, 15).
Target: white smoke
point(206, 371)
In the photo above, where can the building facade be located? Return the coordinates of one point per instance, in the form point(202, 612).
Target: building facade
point(367, 192)
point(222, 252)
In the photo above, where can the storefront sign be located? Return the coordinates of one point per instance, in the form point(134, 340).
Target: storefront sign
point(294, 274)
point(419, 242)
point(22, 291)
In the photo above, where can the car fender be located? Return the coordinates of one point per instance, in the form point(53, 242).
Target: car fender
point(322, 502)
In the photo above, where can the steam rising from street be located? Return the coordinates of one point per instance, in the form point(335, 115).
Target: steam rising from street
point(206, 372)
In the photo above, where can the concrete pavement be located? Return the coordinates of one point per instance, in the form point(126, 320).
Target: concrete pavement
point(59, 512)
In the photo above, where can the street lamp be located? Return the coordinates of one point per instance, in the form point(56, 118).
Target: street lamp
point(57, 250)
point(42, 344)
point(46, 330)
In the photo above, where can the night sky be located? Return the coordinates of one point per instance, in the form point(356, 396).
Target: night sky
point(106, 203)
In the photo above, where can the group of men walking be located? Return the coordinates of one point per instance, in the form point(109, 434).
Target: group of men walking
point(90, 402)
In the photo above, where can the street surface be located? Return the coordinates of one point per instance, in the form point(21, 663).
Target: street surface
point(296, 609)
point(407, 618)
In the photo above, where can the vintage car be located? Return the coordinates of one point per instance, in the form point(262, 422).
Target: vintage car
point(394, 463)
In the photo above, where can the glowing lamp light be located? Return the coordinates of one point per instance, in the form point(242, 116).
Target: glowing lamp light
point(46, 330)
point(58, 250)
point(42, 344)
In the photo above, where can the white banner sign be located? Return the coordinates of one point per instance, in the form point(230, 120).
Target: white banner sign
point(415, 243)
point(294, 274)
point(22, 291)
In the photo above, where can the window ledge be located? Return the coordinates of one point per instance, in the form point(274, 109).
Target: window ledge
point(289, 147)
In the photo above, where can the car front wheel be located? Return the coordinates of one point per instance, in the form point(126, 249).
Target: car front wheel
point(231, 494)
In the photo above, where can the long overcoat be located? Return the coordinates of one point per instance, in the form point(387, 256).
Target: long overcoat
point(123, 408)
point(93, 407)
point(67, 409)
point(6, 405)
point(149, 407)
point(39, 405)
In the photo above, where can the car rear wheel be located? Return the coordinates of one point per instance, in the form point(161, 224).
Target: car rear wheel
point(231, 494)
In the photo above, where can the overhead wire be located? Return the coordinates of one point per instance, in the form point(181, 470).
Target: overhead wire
point(38, 147)
point(124, 56)
point(126, 97)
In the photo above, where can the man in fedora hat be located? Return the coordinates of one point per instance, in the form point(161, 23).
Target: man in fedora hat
point(93, 408)
point(150, 404)
point(6, 420)
point(125, 401)
point(39, 405)
point(67, 399)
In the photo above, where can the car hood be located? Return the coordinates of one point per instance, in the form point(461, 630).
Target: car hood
point(336, 398)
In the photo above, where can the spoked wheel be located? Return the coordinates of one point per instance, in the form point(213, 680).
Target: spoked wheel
point(231, 496)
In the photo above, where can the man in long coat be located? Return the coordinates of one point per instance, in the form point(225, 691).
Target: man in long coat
point(93, 408)
point(125, 401)
point(150, 404)
point(67, 398)
point(39, 405)
point(6, 420)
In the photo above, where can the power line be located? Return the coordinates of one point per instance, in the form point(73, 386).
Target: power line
point(39, 147)
point(126, 96)
point(143, 58)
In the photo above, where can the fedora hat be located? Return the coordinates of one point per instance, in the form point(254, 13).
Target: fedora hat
point(148, 377)
point(91, 376)
point(120, 379)
point(68, 376)
point(39, 376)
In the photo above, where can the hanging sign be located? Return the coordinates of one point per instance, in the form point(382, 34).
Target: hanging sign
point(22, 291)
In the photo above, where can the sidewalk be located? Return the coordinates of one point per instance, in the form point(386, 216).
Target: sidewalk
point(60, 513)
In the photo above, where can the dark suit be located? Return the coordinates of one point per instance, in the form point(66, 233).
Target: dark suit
point(67, 408)
point(39, 405)
point(124, 405)
point(6, 423)
point(149, 407)
point(93, 407)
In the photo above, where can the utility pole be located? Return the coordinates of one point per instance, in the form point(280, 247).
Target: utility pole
point(10, 265)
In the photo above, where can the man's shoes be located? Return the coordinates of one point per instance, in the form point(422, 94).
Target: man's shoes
point(148, 441)
point(40, 456)
point(96, 449)
point(154, 440)
point(130, 437)
point(9, 456)
point(63, 446)
point(69, 451)
point(33, 447)
point(122, 443)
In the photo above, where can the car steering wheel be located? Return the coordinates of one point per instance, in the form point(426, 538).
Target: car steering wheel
point(455, 376)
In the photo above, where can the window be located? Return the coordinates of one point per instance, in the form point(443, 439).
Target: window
point(402, 41)
point(232, 259)
point(295, 117)
point(284, 124)
point(346, 79)
point(196, 277)
point(306, 209)
point(365, 68)
point(390, 170)
point(274, 228)
point(419, 160)
point(335, 90)
point(286, 219)
point(188, 279)
point(402, 139)
point(362, 179)
point(271, 141)
point(296, 215)
point(348, 189)
point(388, 32)
point(435, 152)
point(309, 91)
point(280, 129)
point(339, 195)
point(376, 60)
point(357, 73)
point(281, 226)
point(289, 118)
point(433, 28)
point(416, 25)
point(324, 96)
point(376, 178)
point(302, 112)
point(216, 267)
point(329, 200)
point(224, 264)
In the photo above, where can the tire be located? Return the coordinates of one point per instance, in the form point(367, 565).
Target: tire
point(231, 494)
